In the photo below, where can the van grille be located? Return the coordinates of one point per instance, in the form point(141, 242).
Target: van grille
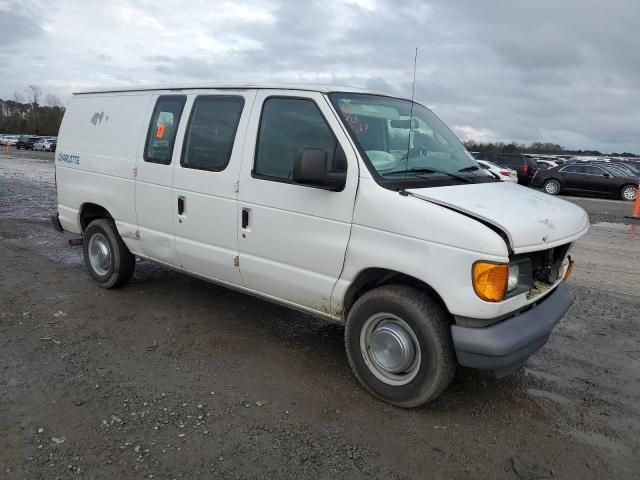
point(545, 268)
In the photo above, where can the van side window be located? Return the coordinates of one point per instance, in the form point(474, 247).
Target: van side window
point(162, 129)
point(211, 131)
point(287, 126)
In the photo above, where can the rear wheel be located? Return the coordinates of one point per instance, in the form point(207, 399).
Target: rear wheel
point(629, 192)
point(552, 187)
point(107, 258)
point(398, 342)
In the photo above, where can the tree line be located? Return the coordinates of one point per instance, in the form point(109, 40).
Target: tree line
point(536, 147)
point(31, 113)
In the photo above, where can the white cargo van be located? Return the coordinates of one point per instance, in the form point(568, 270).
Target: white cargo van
point(357, 207)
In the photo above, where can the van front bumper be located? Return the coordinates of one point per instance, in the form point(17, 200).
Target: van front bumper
point(506, 345)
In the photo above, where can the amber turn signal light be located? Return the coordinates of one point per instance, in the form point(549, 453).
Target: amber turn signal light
point(490, 280)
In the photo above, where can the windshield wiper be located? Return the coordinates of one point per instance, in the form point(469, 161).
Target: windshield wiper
point(429, 170)
point(471, 168)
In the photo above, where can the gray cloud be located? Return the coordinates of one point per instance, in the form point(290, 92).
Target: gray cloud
point(17, 28)
point(502, 70)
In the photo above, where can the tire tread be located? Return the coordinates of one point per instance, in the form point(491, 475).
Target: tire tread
point(125, 260)
point(437, 322)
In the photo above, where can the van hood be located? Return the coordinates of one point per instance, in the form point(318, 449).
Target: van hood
point(530, 219)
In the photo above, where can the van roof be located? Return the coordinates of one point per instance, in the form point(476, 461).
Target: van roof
point(322, 88)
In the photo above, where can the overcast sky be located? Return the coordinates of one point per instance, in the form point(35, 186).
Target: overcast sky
point(565, 71)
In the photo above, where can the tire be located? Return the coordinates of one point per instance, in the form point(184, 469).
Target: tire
point(434, 362)
point(552, 187)
point(107, 258)
point(629, 192)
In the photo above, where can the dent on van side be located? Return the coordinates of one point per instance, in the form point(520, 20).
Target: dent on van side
point(353, 206)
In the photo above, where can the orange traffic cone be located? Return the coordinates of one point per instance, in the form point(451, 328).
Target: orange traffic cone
point(636, 207)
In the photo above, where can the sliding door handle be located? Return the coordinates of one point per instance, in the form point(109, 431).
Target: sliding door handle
point(180, 205)
point(245, 218)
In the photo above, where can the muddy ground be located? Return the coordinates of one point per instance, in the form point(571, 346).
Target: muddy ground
point(172, 377)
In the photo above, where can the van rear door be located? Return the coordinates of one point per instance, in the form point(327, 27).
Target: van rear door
point(205, 210)
point(154, 180)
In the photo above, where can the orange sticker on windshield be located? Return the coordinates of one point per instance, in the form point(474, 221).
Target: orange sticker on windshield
point(160, 131)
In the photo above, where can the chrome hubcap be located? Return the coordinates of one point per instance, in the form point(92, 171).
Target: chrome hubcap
point(99, 254)
point(630, 193)
point(552, 187)
point(390, 349)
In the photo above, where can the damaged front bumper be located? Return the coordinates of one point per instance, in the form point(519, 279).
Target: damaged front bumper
point(506, 345)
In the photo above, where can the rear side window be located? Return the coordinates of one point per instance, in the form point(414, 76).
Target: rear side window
point(211, 132)
point(589, 170)
point(288, 126)
point(162, 129)
point(573, 169)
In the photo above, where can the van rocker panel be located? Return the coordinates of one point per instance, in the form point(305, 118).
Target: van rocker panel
point(509, 343)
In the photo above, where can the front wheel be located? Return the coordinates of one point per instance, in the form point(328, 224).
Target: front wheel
point(629, 192)
point(552, 187)
point(398, 342)
point(107, 258)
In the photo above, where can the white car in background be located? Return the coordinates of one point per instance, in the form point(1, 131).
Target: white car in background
point(546, 164)
point(9, 140)
point(503, 173)
point(44, 144)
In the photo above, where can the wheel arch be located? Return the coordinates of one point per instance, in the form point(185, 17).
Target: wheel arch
point(90, 212)
point(553, 178)
point(374, 277)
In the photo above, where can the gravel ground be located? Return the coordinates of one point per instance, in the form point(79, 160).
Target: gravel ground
point(172, 377)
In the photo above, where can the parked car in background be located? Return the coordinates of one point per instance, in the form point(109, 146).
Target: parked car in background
point(587, 178)
point(26, 142)
point(9, 139)
point(546, 164)
point(633, 170)
point(44, 145)
point(503, 173)
point(525, 166)
point(22, 140)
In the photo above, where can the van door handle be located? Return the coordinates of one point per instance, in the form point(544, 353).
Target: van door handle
point(245, 218)
point(180, 205)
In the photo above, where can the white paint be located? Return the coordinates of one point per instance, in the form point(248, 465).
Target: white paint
point(303, 246)
point(497, 170)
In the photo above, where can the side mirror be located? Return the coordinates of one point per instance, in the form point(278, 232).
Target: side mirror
point(310, 168)
point(606, 175)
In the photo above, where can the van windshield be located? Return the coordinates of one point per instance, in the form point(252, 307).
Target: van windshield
point(405, 147)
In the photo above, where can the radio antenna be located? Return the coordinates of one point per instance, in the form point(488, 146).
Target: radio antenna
point(413, 89)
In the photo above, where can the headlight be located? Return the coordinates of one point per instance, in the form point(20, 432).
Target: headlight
point(514, 276)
